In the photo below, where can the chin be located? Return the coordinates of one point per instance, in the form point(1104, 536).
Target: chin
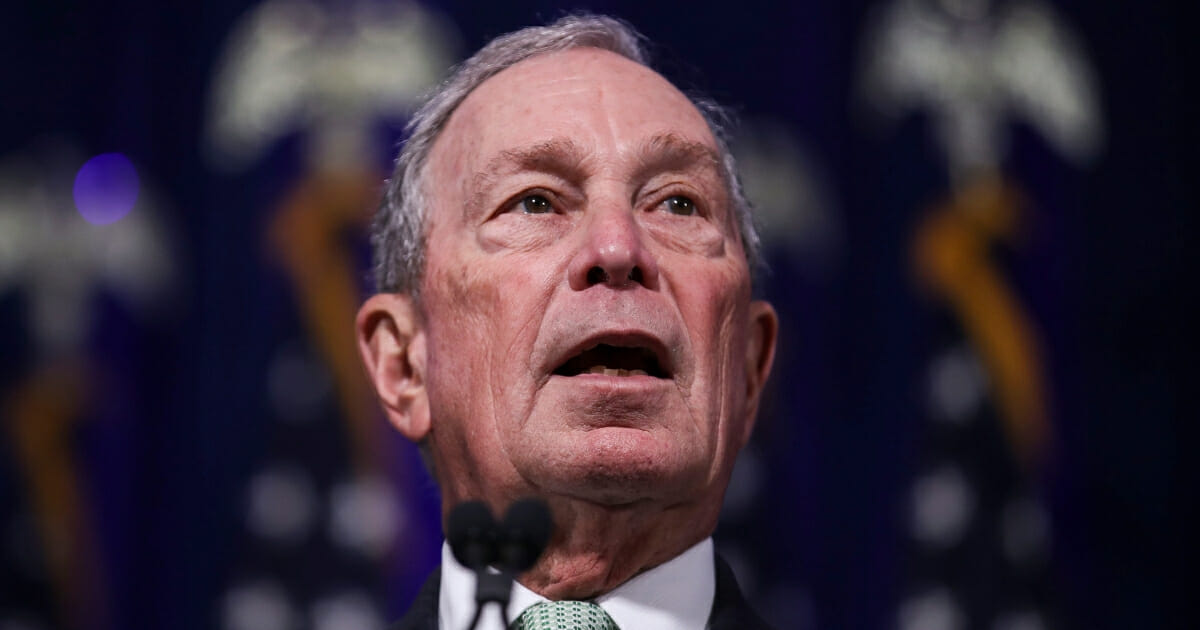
point(619, 466)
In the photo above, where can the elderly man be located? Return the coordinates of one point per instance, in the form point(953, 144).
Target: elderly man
point(564, 263)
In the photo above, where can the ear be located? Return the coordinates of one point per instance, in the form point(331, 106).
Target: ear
point(760, 354)
point(392, 344)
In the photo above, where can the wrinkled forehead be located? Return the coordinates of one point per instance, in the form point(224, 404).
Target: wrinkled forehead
point(599, 100)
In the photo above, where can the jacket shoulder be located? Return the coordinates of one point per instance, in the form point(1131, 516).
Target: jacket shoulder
point(730, 610)
point(423, 613)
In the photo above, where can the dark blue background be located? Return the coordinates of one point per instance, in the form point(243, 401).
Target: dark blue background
point(1108, 276)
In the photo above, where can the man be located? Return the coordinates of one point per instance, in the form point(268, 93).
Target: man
point(564, 260)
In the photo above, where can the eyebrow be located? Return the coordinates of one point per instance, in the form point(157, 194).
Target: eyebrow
point(671, 152)
point(558, 156)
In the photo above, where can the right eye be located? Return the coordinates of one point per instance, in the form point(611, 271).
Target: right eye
point(534, 204)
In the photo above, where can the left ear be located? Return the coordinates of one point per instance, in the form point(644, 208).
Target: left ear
point(762, 328)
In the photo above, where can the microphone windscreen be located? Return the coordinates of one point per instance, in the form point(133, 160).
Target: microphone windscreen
point(524, 533)
point(471, 532)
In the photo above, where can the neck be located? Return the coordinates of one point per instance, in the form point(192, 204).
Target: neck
point(596, 548)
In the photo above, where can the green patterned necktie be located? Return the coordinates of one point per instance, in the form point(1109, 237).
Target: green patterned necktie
point(565, 615)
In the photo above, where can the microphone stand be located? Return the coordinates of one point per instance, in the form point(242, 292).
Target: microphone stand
point(491, 586)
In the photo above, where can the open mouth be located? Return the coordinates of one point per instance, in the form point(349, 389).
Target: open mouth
point(613, 360)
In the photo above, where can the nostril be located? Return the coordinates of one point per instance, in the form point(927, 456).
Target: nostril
point(635, 275)
point(596, 275)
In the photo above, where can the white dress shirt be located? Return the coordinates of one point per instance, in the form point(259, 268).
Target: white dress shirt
point(677, 595)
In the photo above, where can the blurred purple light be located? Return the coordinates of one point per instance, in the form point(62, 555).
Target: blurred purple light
point(106, 188)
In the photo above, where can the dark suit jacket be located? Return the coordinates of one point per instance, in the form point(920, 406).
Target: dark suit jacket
point(729, 612)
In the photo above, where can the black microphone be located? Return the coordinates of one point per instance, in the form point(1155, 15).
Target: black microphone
point(523, 534)
point(478, 542)
point(471, 531)
point(473, 535)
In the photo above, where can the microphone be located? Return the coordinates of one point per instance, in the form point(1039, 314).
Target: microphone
point(523, 534)
point(471, 531)
point(478, 542)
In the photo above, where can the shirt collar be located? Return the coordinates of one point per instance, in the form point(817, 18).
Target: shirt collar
point(676, 595)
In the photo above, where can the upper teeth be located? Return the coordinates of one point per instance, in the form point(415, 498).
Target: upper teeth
point(607, 371)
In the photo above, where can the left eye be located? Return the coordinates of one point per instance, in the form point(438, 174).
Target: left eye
point(535, 204)
point(678, 204)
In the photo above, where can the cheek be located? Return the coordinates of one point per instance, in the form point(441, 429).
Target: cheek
point(460, 301)
point(458, 307)
point(710, 293)
point(714, 307)
point(483, 316)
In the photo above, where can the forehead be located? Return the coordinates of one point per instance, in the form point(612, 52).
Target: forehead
point(598, 99)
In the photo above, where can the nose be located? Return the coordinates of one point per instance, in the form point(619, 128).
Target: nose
point(613, 252)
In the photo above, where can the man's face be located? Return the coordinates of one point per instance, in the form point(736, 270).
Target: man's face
point(586, 312)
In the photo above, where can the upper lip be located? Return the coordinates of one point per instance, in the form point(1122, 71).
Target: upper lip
point(620, 339)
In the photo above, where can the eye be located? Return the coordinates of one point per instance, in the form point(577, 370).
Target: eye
point(535, 204)
point(678, 204)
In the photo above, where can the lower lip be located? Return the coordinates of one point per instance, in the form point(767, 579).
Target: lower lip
point(639, 381)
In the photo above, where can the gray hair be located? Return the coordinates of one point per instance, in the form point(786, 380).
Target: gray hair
point(398, 230)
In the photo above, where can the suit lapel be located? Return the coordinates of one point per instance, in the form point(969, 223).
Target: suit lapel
point(730, 610)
